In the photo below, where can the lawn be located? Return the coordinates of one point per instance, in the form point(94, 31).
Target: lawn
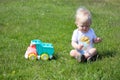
point(52, 21)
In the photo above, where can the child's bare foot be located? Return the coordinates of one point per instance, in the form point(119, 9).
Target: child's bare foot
point(80, 58)
point(92, 58)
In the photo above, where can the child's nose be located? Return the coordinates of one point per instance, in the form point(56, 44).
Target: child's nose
point(84, 27)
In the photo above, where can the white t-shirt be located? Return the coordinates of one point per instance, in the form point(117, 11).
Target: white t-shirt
point(86, 39)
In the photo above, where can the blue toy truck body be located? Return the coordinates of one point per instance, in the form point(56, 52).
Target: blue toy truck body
point(43, 48)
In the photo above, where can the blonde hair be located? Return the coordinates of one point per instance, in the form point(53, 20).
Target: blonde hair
point(83, 16)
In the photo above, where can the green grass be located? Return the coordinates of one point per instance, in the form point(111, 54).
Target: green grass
point(53, 21)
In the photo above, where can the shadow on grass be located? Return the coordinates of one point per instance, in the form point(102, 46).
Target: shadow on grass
point(101, 55)
point(107, 54)
point(55, 57)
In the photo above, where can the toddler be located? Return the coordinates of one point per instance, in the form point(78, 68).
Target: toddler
point(83, 37)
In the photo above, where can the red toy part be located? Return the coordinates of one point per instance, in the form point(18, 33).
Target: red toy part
point(31, 52)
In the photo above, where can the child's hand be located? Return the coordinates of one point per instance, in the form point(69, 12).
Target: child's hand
point(79, 47)
point(97, 40)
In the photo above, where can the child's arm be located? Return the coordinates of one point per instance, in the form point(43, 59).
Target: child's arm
point(97, 40)
point(76, 46)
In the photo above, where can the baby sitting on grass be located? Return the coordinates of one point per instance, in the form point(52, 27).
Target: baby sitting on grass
point(83, 37)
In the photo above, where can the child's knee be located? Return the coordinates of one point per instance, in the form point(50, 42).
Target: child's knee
point(72, 53)
point(93, 51)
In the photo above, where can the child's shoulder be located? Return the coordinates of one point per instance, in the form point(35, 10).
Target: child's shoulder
point(75, 30)
point(91, 29)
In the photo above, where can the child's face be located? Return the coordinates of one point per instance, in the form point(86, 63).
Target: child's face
point(83, 27)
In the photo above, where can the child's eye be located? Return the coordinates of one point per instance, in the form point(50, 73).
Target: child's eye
point(82, 26)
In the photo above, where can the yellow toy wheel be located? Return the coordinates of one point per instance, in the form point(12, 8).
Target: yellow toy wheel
point(32, 56)
point(44, 56)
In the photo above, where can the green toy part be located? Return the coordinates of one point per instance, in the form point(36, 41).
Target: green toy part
point(44, 56)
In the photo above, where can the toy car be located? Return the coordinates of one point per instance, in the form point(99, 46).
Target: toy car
point(39, 50)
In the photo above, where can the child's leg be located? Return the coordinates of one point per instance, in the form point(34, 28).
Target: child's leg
point(90, 53)
point(77, 55)
point(74, 53)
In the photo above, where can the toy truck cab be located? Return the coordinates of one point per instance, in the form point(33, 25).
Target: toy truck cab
point(44, 51)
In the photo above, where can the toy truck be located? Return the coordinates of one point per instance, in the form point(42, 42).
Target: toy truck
point(39, 50)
